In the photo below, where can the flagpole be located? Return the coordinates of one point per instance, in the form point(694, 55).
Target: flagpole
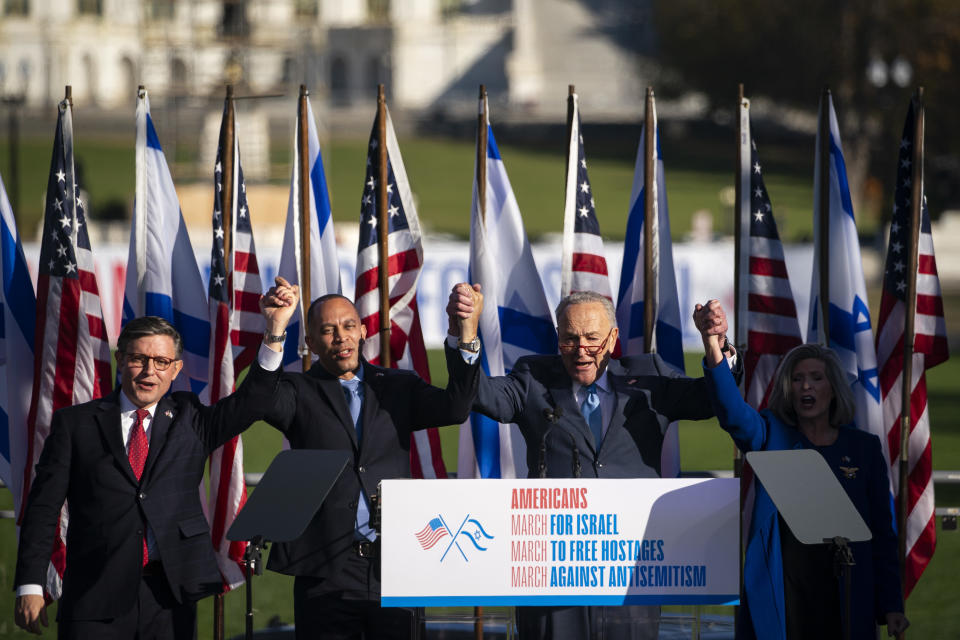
point(571, 96)
point(383, 221)
point(823, 235)
point(649, 202)
point(483, 118)
point(909, 329)
point(303, 158)
point(740, 317)
point(226, 212)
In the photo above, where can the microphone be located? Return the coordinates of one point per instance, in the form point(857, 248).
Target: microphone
point(552, 415)
point(576, 456)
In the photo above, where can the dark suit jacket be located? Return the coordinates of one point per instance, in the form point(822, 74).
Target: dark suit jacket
point(538, 396)
point(84, 461)
point(310, 409)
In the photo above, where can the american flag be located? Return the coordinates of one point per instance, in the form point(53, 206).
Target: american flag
point(405, 259)
point(71, 351)
point(769, 314)
point(431, 534)
point(236, 331)
point(930, 349)
point(584, 265)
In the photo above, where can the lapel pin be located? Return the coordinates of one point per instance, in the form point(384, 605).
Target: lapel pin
point(168, 413)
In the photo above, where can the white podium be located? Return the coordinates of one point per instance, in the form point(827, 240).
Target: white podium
point(560, 542)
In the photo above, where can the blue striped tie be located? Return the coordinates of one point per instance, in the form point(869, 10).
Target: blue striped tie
point(592, 413)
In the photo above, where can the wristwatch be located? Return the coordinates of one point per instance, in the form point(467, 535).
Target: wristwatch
point(727, 347)
point(473, 346)
point(269, 338)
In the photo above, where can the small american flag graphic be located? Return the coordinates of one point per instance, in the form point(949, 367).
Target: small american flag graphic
point(431, 534)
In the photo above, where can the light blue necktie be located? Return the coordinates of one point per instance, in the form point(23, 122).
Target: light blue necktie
point(351, 392)
point(592, 413)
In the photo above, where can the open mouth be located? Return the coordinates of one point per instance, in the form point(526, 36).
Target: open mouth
point(807, 401)
point(343, 354)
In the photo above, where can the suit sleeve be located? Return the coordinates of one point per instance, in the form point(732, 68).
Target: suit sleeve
point(503, 397)
point(232, 415)
point(42, 515)
point(884, 546)
point(748, 428)
point(679, 397)
point(435, 407)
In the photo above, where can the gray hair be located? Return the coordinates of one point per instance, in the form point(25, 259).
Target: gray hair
point(146, 326)
point(587, 297)
point(842, 407)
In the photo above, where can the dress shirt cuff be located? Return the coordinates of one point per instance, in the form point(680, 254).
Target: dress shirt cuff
point(468, 356)
point(29, 590)
point(268, 359)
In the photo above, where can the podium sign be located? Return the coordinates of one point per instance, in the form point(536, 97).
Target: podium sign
point(559, 542)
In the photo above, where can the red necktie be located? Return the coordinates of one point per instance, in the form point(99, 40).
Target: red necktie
point(137, 454)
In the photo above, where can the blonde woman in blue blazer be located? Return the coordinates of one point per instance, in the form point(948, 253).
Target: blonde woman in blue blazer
point(789, 588)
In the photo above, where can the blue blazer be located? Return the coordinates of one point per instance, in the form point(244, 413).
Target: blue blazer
point(875, 582)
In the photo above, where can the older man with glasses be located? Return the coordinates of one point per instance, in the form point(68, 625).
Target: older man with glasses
point(583, 414)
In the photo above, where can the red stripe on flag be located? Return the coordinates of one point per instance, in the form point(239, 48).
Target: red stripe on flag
point(927, 264)
point(929, 305)
point(220, 345)
point(88, 281)
point(97, 327)
point(66, 340)
point(772, 305)
point(920, 555)
point(397, 263)
point(228, 451)
point(246, 301)
point(589, 262)
point(245, 262)
point(767, 267)
point(775, 343)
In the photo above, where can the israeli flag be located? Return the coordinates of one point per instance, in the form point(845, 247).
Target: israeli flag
point(17, 321)
point(851, 333)
point(324, 266)
point(516, 319)
point(163, 278)
point(631, 298)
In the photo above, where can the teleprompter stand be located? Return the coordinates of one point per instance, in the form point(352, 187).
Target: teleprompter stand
point(815, 507)
point(294, 486)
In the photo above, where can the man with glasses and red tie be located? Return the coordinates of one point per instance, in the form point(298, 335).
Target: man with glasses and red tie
point(129, 465)
point(583, 414)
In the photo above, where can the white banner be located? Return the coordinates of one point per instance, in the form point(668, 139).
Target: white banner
point(560, 542)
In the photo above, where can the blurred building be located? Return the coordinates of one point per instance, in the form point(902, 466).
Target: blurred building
point(431, 54)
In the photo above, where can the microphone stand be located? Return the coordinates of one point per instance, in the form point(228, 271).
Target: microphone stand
point(252, 565)
point(842, 567)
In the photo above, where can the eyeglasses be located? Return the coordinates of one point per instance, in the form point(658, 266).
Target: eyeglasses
point(591, 350)
point(142, 360)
